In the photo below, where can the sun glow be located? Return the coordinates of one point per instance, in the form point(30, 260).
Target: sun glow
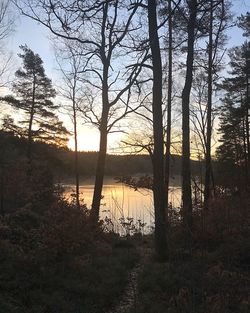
point(87, 141)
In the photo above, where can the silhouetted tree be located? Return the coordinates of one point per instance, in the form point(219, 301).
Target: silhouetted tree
point(7, 20)
point(244, 23)
point(169, 99)
point(33, 96)
point(158, 153)
point(234, 118)
point(186, 171)
point(70, 64)
point(218, 21)
point(102, 29)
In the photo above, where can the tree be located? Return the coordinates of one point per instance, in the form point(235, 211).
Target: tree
point(218, 19)
point(9, 125)
point(6, 28)
point(186, 171)
point(72, 93)
point(159, 191)
point(244, 23)
point(169, 98)
point(234, 120)
point(33, 96)
point(6, 20)
point(198, 18)
point(208, 62)
point(232, 151)
point(103, 30)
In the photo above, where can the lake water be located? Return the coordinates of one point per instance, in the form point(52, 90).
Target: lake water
point(122, 208)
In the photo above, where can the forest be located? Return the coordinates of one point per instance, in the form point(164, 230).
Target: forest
point(169, 80)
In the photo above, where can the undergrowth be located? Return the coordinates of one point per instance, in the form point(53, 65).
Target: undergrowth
point(52, 260)
point(213, 276)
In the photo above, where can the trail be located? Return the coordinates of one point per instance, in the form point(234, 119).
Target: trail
point(129, 299)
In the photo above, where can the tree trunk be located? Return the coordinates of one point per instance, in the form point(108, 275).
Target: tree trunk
point(207, 189)
point(169, 105)
point(76, 151)
point(245, 152)
point(32, 111)
point(100, 168)
point(159, 191)
point(186, 172)
point(2, 175)
point(247, 110)
point(247, 142)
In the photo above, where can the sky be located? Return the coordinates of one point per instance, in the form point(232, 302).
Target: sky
point(37, 38)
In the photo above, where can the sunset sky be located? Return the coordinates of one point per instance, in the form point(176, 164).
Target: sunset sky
point(37, 38)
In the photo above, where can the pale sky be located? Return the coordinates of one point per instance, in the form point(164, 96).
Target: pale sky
point(37, 38)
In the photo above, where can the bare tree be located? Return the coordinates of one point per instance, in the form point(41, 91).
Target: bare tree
point(186, 171)
point(169, 99)
point(216, 38)
point(6, 28)
point(102, 29)
point(70, 64)
point(159, 191)
point(208, 63)
point(6, 19)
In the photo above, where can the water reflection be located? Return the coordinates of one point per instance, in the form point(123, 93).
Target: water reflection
point(122, 207)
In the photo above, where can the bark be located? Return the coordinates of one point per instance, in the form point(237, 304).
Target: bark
point(169, 104)
point(107, 50)
point(100, 169)
point(2, 189)
point(247, 141)
point(247, 118)
point(32, 112)
point(207, 189)
point(159, 191)
point(186, 172)
point(245, 152)
point(76, 148)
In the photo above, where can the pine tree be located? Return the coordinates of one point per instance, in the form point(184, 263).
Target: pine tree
point(234, 123)
point(244, 23)
point(33, 94)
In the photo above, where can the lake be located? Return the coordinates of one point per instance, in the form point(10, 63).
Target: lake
point(122, 208)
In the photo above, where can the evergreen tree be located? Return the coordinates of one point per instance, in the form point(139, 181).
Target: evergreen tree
point(244, 23)
point(232, 136)
point(33, 94)
point(234, 120)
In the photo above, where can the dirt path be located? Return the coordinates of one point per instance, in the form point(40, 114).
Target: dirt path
point(129, 299)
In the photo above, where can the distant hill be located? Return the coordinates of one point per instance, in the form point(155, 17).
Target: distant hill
point(61, 160)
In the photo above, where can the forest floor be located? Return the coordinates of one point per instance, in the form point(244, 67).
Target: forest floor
point(213, 275)
point(53, 261)
point(129, 299)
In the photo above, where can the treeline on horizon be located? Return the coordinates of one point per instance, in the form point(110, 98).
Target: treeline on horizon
point(60, 160)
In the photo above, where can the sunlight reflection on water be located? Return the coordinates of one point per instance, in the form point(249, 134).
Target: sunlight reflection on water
point(121, 201)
